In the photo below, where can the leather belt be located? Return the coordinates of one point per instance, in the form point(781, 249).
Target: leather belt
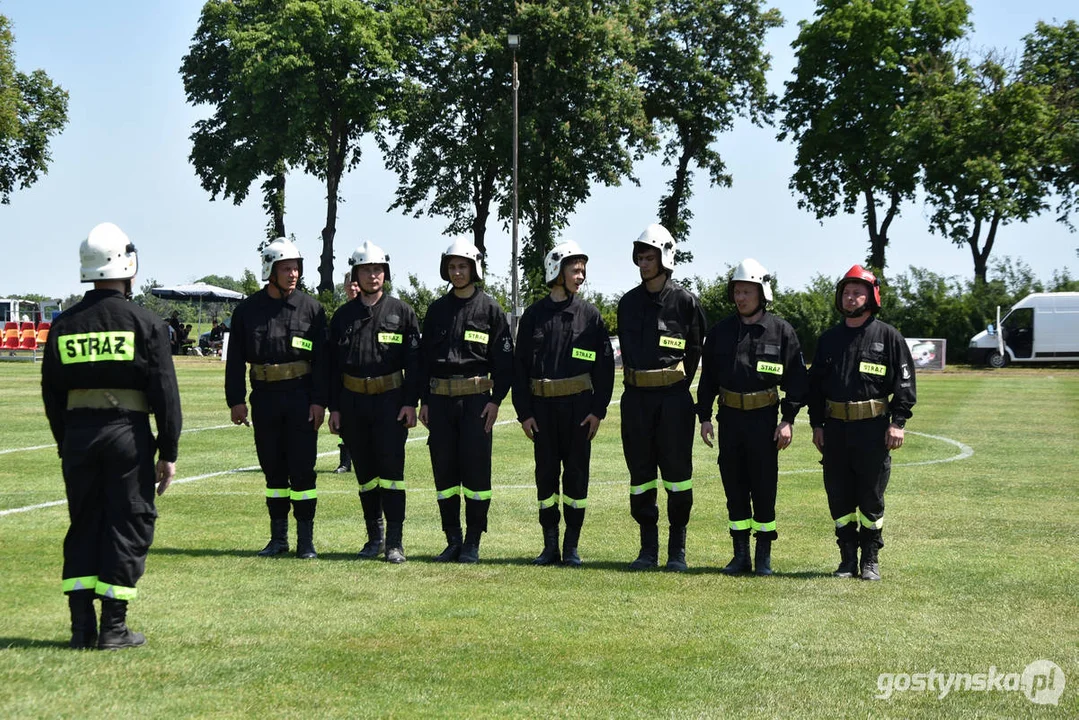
point(373, 385)
point(748, 401)
point(108, 399)
point(454, 387)
point(663, 377)
point(863, 410)
point(562, 387)
point(284, 371)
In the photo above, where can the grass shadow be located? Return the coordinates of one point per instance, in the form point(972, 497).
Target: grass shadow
point(9, 643)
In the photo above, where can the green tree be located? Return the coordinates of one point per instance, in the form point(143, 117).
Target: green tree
point(854, 75)
point(32, 110)
point(1051, 58)
point(703, 65)
point(449, 134)
point(982, 134)
point(581, 114)
point(296, 83)
point(223, 281)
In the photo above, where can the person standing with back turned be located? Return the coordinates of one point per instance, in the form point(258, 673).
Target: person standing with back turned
point(107, 366)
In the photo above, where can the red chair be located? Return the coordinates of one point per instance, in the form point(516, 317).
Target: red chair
point(11, 336)
point(29, 337)
point(43, 333)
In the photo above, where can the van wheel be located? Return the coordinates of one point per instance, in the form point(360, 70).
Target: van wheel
point(995, 360)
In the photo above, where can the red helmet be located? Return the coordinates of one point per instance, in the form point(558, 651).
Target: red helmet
point(859, 274)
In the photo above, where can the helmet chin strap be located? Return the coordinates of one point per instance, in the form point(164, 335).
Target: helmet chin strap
point(127, 289)
point(857, 312)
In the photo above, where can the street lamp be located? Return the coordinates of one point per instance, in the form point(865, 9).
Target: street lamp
point(514, 42)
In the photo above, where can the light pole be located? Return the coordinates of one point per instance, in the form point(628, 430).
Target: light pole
point(514, 41)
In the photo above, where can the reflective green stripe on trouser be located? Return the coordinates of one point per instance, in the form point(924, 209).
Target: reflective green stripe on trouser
point(562, 453)
point(857, 467)
point(115, 592)
point(460, 450)
point(86, 582)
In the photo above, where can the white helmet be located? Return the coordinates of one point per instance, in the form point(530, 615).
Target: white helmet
point(462, 248)
point(107, 254)
point(370, 254)
point(279, 249)
point(559, 255)
point(751, 271)
point(655, 235)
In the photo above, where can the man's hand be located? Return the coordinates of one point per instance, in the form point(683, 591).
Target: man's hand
point(818, 439)
point(407, 416)
point(593, 425)
point(893, 437)
point(489, 414)
point(166, 471)
point(707, 433)
point(335, 422)
point(239, 414)
point(315, 415)
point(424, 416)
point(530, 427)
point(783, 434)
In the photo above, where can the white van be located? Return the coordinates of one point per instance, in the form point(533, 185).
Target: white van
point(1042, 327)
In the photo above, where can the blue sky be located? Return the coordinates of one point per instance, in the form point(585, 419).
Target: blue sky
point(123, 158)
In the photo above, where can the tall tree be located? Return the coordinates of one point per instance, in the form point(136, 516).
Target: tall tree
point(582, 118)
point(703, 65)
point(854, 74)
point(982, 135)
point(448, 136)
point(1051, 58)
point(32, 110)
point(296, 84)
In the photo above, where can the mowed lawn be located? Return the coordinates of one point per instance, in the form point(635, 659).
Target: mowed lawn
point(980, 572)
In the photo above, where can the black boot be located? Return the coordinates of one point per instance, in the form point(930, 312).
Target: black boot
point(848, 560)
point(114, 632)
point(374, 546)
point(344, 464)
point(453, 547)
point(395, 550)
point(870, 569)
point(305, 542)
point(740, 563)
point(83, 620)
point(762, 558)
point(649, 555)
point(570, 558)
point(278, 544)
point(676, 549)
point(549, 555)
point(470, 552)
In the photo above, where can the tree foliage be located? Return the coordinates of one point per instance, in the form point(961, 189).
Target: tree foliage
point(853, 77)
point(702, 65)
point(294, 84)
point(32, 110)
point(1051, 59)
point(983, 136)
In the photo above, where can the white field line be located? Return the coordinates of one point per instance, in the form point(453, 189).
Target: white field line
point(53, 445)
point(965, 451)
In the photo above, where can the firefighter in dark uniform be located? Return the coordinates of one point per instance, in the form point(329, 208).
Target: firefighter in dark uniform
point(467, 365)
point(107, 366)
point(748, 357)
point(562, 384)
point(660, 330)
point(374, 376)
point(859, 363)
point(281, 332)
point(344, 463)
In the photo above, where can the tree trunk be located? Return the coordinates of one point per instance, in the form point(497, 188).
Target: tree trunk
point(981, 257)
point(878, 236)
point(273, 193)
point(482, 195)
point(670, 206)
point(337, 148)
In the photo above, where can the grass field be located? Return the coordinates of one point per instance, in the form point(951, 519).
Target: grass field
point(980, 572)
